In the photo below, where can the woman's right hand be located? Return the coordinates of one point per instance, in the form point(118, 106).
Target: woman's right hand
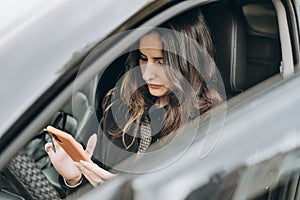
point(63, 164)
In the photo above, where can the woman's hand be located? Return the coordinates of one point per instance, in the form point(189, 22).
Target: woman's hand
point(93, 172)
point(64, 165)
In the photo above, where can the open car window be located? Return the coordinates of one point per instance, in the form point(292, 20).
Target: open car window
point(248, 54)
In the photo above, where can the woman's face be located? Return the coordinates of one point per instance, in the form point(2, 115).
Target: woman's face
point(152, 66)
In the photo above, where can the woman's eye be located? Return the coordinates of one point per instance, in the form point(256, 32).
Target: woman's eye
point(143, 58)
point(160, 62)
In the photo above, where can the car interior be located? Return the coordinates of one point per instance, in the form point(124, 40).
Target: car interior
point(247, 45)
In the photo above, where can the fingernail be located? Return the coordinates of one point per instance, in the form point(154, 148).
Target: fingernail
point(84, 163)
point(47, 147)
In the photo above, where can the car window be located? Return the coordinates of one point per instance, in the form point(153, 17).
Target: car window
point(274, 178)
point(244, 57)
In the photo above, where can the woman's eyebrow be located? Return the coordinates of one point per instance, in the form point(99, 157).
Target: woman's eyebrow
point(142, 53)
point(154, 58)
point(157, 58)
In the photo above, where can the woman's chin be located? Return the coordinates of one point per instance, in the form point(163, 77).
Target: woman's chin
point(156, 93)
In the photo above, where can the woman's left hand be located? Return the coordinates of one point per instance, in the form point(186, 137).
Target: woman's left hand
point(94, 174)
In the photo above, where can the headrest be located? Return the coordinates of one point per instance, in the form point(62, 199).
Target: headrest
point(229, 38)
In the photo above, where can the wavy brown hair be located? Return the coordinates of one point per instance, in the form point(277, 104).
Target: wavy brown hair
point(187, 53)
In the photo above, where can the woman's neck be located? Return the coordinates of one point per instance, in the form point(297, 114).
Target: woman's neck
point(162, 101)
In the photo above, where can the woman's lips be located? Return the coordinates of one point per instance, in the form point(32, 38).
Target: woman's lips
point(153, 86)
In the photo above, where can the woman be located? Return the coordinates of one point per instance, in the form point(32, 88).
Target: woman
point(153, 100)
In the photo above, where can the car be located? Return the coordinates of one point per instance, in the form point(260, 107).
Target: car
point(58, 65)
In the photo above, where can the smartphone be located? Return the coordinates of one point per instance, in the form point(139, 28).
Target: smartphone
point(69, 144)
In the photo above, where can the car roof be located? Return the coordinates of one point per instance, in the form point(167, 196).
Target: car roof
point(35, 54)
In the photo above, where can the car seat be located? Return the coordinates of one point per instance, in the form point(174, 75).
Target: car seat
point(229, 39)
point(243, 58)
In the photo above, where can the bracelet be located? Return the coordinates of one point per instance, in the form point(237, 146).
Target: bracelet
point(73, 186)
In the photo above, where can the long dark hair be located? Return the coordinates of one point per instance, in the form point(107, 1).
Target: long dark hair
point(189, 63)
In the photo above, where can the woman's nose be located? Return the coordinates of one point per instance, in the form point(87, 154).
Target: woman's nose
point(149, 71)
